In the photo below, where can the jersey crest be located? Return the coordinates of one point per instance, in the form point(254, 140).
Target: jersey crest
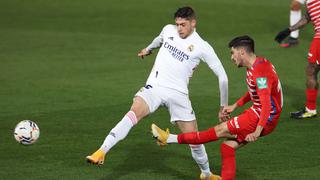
point(262, 83)
point(191, 47)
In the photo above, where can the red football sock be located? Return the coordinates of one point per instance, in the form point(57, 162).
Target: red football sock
point(228, 171)
point(198, 137)
point(311, 98)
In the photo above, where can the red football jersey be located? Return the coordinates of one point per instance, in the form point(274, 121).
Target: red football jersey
point(262, 81)
point(313, 7)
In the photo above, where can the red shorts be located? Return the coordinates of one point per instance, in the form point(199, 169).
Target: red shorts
point(247, 122)
point(314, 51)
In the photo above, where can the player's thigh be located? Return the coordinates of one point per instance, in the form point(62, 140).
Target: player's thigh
point(312, 71)
point(243, 124)
point(187, 126)
point(179, 106)
point(270, 126)
point(146, 101)
point(314, 54)
point(267, 130)
point(139, 107)
point(222, 131)
point(313, 66)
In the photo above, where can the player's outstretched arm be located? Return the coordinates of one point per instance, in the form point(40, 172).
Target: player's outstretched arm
point(144, 52)
point(286, 32)
point(156, 43)
point(229, 109)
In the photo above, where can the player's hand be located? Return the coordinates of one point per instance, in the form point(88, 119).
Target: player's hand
point(282, 35)
point(144, 52)
point(223, 116)
point(230, 109)
point(254, 136)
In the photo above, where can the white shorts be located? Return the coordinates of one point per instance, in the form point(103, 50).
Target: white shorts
point(178, 104)
point(301, 1)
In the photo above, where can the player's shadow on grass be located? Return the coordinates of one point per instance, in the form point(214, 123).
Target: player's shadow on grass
point(144, 158)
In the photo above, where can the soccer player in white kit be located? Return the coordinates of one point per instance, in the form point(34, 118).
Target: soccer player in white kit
point(295, 16)
point(181, 50)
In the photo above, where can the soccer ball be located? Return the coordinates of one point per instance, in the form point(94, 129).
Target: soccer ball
point(26, 132)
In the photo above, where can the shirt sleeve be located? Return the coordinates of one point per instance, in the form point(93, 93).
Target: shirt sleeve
point(264, 86)
point(265, 109)
point(157, 41)
point(210, 57)
point(244, 99)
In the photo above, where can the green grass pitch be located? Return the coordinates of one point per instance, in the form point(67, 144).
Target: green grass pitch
point(72, 67)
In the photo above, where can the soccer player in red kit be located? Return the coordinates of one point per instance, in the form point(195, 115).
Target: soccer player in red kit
point(312, 15)
point(265, 93)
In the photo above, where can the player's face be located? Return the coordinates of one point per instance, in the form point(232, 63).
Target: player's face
point(185, 27)
point(236, 56)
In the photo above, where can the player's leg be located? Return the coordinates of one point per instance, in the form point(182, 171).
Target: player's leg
point(145, 102)
point(181, 112)
point(195, 138)
point(237, 127)
point(138, 110)
point(211, 134)
point(295, 16)
point(228, 169)
point(228, 147)
point(198, 151)
point(312, 86)
point(311, 93)
point(312, 83)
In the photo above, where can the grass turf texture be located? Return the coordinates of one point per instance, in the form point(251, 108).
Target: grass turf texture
point(71, 66)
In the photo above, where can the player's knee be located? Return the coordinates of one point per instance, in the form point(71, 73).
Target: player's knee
point(312, 83)
point(140, 108)
point(221, 129)
point(312, 71)
point(295, 6)
point(229, 145)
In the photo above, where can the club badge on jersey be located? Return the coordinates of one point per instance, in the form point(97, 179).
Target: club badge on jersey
point(191, 47)
point(262, 83)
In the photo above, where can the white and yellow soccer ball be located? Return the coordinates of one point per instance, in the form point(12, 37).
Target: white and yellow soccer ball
point(26, 132)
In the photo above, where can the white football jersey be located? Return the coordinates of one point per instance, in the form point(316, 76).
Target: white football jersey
point(178, 58)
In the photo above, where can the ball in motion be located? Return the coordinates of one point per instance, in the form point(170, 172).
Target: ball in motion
point(26, 132)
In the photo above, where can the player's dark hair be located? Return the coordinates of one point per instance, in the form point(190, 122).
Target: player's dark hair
point(243, 41)
point(185, 12)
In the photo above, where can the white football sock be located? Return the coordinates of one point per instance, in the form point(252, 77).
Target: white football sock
point(295, 16)
point(120, 131)
point(311, 111)
point(199, 154)
point(173, 138)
